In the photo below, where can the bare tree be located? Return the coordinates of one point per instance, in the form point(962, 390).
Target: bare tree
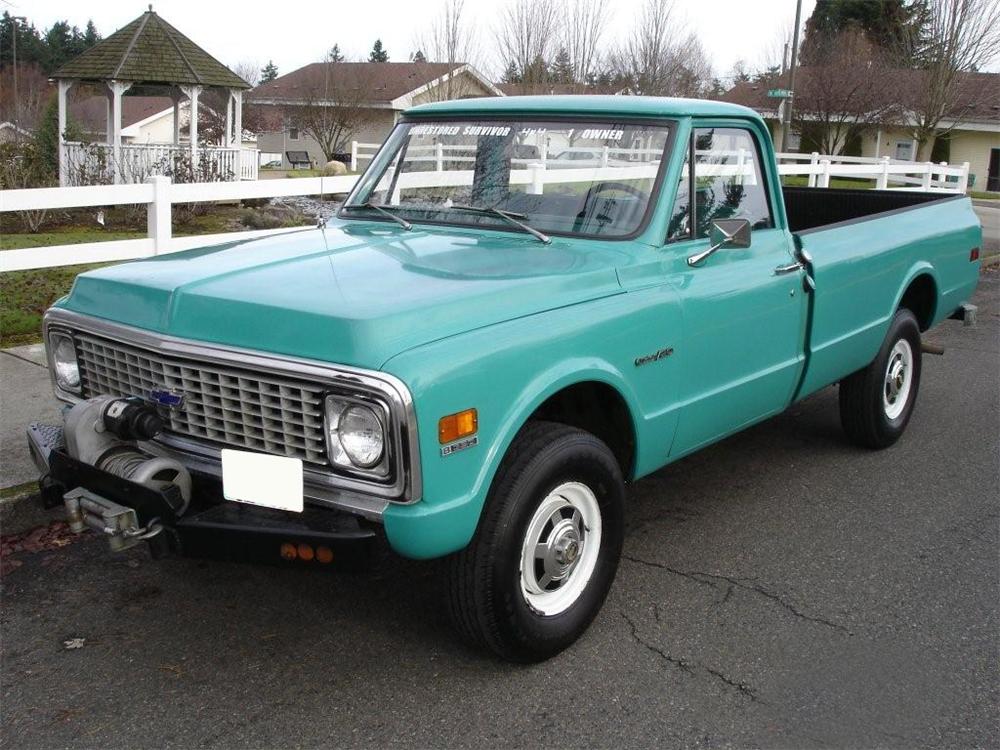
point(584, 25)
point(332, 107)
point(450, 39)
point(850, 89)
point(962, 37)
point(526, 36)
point(33, 95)
point(658, 57)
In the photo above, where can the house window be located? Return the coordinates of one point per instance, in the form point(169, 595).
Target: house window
point(904, 150)
point(293, 134)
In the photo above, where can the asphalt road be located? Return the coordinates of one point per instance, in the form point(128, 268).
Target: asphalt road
point(781, 589)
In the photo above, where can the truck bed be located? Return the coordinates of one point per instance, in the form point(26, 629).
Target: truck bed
point(866, 248)
point(814, 208)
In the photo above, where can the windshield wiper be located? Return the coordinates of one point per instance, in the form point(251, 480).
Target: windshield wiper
point(382, 210)
point(511, 218)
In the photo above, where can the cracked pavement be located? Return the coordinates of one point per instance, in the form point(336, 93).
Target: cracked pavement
point(780, 589)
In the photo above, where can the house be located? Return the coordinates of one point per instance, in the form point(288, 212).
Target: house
point(362, 100)
point(11, 133)
point(145, 119)
point(559, 89)
point(974, 121)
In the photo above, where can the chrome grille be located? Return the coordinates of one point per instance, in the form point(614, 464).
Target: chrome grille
point(226, 405)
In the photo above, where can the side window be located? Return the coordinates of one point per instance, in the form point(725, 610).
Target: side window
point(729, 182)
point(679, 227)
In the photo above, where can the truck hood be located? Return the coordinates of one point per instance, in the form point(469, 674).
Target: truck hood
point(354, 293)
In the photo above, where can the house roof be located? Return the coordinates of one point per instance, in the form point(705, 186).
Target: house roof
point(555, 89)
point(91, 113)
point(149, 50)
point(978, 97)
point(386, 82)
point(603, 106)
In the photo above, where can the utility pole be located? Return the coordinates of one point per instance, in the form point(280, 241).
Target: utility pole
point(787, 119)
point(17, 101)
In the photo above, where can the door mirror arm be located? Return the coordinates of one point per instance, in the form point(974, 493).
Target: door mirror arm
point(724, 233)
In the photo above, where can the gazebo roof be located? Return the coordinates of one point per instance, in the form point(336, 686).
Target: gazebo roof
point(150, 51)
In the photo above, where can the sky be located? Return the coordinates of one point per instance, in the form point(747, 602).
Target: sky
point(301, 31)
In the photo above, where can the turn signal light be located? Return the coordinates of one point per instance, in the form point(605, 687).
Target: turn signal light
point(456, 426)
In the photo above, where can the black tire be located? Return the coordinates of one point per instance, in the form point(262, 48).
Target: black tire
point(863, 411)
point(485, 597)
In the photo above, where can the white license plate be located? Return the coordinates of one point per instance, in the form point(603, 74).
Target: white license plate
point(261, 479)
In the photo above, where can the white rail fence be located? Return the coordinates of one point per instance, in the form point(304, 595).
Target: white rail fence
point(886, 173)
point(608, 164)
point(159, 195)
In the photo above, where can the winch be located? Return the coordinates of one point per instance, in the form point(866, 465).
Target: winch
point(104, 432)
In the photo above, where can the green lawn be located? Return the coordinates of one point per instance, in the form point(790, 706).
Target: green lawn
point(65, 236)
point(984, 196)
point(843, 183)
point(26, 295)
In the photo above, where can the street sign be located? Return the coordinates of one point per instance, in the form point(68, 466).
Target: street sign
point(779, 93)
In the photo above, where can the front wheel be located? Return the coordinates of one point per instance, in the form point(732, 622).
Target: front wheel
point(877, 401)
point(547, 547)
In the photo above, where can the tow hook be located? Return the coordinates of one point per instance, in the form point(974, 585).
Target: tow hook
point(86, 510)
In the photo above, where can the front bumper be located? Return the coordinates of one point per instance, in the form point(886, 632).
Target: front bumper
point(209, 527)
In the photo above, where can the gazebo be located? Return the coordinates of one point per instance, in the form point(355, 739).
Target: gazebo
point(152, 58)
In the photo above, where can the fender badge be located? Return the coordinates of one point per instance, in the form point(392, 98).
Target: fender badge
point(168, 398)
point(654, 357)
point(459, 445)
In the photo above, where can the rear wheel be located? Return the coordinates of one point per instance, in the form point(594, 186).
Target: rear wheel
point(547, 547)
point(876, 402)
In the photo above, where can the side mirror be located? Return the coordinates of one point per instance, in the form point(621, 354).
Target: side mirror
point(724, 233)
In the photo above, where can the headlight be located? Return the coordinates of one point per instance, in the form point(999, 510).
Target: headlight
point(64, 364)
point(356, 434)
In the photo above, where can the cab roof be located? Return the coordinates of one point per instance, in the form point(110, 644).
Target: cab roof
point(585, 105)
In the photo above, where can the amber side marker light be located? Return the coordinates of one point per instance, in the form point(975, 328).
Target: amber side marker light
point(456, 426)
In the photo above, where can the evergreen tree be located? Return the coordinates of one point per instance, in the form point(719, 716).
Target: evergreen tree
point(511, 74)
point(378, 53)
point(59, 44)
point(269, 72)
point(562, 67)
point(418, 56)
point(335, 55)
point(537, 72)
point(893, 26)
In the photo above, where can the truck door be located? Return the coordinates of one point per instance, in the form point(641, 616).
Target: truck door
point(744, 309)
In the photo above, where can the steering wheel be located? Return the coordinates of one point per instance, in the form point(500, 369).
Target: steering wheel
point(599, 188)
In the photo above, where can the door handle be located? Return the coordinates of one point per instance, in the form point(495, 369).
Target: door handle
point(791, 268)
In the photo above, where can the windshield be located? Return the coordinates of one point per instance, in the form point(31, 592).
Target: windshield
point(580, 178)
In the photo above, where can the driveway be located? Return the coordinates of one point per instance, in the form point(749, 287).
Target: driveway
point(781, 589)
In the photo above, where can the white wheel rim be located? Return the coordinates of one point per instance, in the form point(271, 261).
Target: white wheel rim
point(560, 548)
point(898, 379)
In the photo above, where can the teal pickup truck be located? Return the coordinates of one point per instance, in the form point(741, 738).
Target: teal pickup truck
point(523, 305)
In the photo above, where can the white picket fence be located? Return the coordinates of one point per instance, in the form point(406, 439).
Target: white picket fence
point(609, 164)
